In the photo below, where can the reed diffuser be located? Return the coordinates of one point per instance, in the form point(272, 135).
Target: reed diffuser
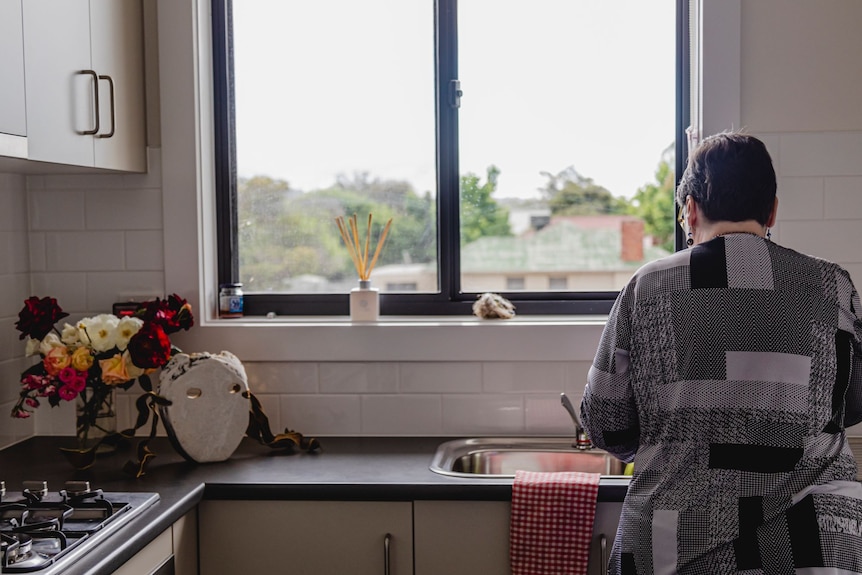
point(364, 299)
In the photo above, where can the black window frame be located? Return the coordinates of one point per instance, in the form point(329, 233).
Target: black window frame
point(450, 301)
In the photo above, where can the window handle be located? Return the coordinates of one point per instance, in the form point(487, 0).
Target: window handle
point(455, 93)
point(113, 106)
point(92, 73)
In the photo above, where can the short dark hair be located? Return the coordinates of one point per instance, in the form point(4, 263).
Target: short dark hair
point(730, 176)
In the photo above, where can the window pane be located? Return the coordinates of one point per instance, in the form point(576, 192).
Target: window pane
point(566, 128)
point(334, 116)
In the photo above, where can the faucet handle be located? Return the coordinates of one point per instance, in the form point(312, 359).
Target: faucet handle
point(582, 440)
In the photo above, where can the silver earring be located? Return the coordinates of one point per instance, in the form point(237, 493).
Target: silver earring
point(768, 235)
point(690, 241)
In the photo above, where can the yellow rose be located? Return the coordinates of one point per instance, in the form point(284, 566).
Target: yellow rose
point(56, 360)
point(82, 359)
point(114, 370)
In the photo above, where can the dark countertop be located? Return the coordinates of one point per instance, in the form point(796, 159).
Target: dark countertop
point(348, 469)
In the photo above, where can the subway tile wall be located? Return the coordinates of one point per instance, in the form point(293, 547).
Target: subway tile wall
point(14, 289)
point(91, 238)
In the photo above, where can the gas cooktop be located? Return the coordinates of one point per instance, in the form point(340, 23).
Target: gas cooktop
point(44, 532)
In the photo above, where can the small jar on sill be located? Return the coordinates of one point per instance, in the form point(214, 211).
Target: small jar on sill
point(230, 300)
point(364, 302)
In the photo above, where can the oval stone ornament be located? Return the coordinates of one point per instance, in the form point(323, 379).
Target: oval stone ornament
point(208, 415)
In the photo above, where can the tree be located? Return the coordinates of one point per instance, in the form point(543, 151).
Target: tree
point(568, 193)
point(654, 202)
point(481, 215)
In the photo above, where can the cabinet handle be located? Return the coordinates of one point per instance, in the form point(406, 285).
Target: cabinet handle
point(386, 540)
point(113, 106)
point(603, 544)
point(95, 76)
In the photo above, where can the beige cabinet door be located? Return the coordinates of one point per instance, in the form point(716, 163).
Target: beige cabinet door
point(305, 537)
point(461, 537)
point(468, 537)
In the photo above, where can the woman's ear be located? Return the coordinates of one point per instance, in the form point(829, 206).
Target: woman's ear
point(692, 213)
point(770, 222)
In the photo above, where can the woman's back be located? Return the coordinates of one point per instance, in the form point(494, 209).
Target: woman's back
point(730, 371)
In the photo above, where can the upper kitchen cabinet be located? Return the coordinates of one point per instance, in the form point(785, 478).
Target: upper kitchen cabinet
point(13, 125)
point(84, 83)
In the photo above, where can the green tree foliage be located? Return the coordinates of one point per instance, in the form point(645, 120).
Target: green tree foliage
point(568, 193)
point(285, 233)
point(654, 202)
point(481, 215)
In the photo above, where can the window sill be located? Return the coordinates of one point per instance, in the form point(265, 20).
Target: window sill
point(400, 338)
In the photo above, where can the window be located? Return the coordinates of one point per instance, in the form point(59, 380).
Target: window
point(525, 148)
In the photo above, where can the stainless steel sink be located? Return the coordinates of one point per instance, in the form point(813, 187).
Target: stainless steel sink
point(502, 456)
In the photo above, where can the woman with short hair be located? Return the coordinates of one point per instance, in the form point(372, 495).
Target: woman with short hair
point(728, 373)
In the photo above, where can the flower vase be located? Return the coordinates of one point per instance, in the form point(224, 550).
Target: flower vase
point(364, 302)
point(95, 418)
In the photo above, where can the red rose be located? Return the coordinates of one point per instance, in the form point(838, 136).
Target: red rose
point(172, 314)
point(38, 317)
point(150, 347)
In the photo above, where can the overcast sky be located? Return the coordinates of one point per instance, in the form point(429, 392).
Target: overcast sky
point(322, 88)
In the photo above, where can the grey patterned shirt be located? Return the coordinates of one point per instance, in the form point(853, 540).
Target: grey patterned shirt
point(728, 372)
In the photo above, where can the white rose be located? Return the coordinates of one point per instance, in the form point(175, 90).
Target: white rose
point(126, 328)
point(49, 342)
point(69, 336)
point(99, 332)
point(32, 347)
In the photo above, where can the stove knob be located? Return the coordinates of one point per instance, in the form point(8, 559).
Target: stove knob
point(37, 488)
point(75, 488)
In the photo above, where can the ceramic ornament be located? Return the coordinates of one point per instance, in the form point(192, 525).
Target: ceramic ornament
point(208, 415)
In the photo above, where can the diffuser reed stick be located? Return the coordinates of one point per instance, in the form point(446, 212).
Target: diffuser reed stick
point(358, 252)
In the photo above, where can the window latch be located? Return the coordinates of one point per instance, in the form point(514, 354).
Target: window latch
point(455, 93)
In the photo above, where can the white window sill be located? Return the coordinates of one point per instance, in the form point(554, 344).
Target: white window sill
point(400, 338)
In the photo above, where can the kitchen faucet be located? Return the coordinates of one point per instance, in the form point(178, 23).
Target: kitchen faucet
point(582, 440)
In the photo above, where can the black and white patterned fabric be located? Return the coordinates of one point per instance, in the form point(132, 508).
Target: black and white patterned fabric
point(728, 373)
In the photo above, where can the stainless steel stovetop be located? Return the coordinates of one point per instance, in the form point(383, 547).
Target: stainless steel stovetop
point(44, 532)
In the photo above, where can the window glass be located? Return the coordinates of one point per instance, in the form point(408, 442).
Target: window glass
point(334, 115)
point(567, 126)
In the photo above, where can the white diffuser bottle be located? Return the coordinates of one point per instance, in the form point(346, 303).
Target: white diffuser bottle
point(364, 302)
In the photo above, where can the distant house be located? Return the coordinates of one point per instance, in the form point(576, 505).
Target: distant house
point(568, 253)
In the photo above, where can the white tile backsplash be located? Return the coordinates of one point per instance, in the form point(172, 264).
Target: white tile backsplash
point(428, 377)
point(145, 250)
point(843, 198)
point(321, 414)
point(510, 376)
point(356, 377)
point(483, 414)
point(85, 251)
point(275, 378)
point(124, 209)
point(70, 289)
point(415, 415)
point(106, 288)
point(57, 210)
point(800, 198)
point(821, 154)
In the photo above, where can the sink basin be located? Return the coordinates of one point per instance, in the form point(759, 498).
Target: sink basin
point(501, 457)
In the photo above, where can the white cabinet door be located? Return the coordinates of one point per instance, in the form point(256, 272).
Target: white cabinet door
point(461, 537)
point(305, 537)
point(84, 81)
point(116, 43)
point(12, 110)
point(60, 98)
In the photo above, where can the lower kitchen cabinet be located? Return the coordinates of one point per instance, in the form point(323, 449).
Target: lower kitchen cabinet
point(306, 537)
point(468, 537)
point(339, 537)
point(173, 552)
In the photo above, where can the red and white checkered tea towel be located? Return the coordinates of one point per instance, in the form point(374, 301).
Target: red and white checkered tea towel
point(552, 522)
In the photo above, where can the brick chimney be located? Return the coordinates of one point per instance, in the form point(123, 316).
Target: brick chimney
point(632, 231)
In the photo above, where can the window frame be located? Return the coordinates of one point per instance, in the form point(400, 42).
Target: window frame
point(450, 301)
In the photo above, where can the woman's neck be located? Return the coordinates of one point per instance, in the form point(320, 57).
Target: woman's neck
point(712, 230)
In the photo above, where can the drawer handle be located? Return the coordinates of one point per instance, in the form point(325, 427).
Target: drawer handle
point(386, 540)
point(95, 76)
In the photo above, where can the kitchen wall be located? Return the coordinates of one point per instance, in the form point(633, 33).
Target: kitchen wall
point(92, 238)
point(14, 289)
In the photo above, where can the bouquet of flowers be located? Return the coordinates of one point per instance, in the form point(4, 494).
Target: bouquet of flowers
point(90, 359)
